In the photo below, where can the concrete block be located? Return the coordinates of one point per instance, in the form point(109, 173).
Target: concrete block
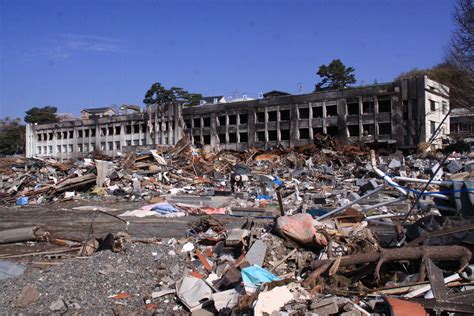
point(353, 196)
point(325, 306)
point(202, 312)
point(438, 174)
point(384, 168)
point(454, 167)
point(394, 164)
point(369, 186)
point(256, 253)
point(469, 166)
point(235, 236)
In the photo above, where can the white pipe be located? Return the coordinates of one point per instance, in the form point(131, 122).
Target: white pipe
point(427, 287)
point(417, 180)
point(369, 218)
point(370, 207)
point(341, 208)
point(383, 175)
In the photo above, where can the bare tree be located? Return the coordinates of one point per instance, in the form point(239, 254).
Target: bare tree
point(461, 49)
point(458, 69)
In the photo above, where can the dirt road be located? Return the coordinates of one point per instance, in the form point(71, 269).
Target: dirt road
point(64, 221)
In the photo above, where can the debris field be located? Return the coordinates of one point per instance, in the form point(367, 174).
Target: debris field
point(323, 229)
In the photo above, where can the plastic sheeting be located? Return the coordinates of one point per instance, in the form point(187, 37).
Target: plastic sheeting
point(254, 276)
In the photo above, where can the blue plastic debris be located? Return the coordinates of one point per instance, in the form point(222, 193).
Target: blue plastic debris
point(164, 208)
point(254, 276)
point(317, 212)
point(22, 200)
point(277, 182)
point(263, 197)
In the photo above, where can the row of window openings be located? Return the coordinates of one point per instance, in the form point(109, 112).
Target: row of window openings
point(368, 129)
point(444, 106)
point(303, 113)
point(368, 107)
point(103, 131)
point(434, 127)
point(85, 147)
point(461, 127)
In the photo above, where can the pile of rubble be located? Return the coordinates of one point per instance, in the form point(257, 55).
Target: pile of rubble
point(334, 230)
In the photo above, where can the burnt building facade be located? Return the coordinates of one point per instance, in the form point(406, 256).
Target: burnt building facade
point(401, 114)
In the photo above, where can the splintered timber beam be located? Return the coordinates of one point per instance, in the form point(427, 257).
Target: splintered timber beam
point(442, 253)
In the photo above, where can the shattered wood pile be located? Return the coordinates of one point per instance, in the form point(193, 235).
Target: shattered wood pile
point(327, 229)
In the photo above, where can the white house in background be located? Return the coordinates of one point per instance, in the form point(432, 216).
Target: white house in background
point(221, 99)
point(243, 98)
point(213, 100)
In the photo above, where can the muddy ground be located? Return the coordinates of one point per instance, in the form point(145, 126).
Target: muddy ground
point(61, 219)
point(84, 285)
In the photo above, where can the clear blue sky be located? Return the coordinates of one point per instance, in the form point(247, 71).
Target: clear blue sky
point(94, 53)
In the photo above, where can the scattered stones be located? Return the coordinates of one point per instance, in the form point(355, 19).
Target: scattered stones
point(28, 295)
point(57, 305)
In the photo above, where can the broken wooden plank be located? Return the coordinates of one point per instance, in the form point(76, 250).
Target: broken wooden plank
point(435, 275)
point(283, 260)
point(41, 253)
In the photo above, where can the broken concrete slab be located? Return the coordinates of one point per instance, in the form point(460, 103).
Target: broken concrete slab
point(10, 270)
point(225, 299)
point(193, 292)
point(394, 164)
point(454, 167)
point(236, 236)
point(271, 301)
point(325, 306)
point(256, 253)
point(437, 175)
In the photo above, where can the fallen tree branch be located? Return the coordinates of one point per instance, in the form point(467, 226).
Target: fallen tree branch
point(443, 253)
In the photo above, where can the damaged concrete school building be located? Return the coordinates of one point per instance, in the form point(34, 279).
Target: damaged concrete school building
point(401, 114)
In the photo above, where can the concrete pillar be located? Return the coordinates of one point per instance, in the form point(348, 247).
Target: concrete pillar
point(251, 127)
point(266, 127)
point(155, 124)
point(376, 117)
point(122, 135)
point(278, 124)
point(178, 124)
point(74, 142)
point(214, 137)
point(162, 129)
point(397, 116)
point(294, 133)
point(55, 144)
point(97, 136)
point(30, 141)
point(361, 125)
point(325, 130)
point(227, 120)
point(342, 119)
